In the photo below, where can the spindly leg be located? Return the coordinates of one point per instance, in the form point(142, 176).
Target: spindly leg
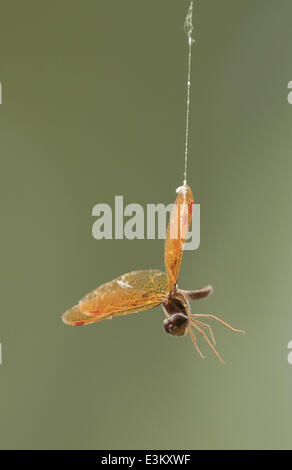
point(199, 293)
point(195, 343)
point(194, 324)
point(195, 316)
point(204, 325)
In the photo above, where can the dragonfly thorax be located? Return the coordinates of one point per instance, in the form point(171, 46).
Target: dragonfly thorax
point(175, 307)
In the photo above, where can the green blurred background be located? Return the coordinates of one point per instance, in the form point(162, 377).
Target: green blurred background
point(93, 107)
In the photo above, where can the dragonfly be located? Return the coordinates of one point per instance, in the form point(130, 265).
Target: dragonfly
point(142, 290)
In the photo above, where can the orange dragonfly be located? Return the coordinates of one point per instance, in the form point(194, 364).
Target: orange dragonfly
point(142, 290)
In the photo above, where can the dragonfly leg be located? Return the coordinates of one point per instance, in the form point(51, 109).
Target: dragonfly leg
point(202, 333)
point(195, 316)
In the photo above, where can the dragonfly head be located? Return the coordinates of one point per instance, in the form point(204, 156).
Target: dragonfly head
point(176, 324)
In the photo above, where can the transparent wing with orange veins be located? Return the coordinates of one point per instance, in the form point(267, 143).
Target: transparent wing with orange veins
point(130, 293)
point(177, 230)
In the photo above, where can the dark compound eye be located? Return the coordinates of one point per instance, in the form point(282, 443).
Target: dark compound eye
point(176, 324)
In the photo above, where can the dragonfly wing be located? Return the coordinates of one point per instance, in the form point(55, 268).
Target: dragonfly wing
point(130, 293)
point(75, 317)
point(177, 230)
